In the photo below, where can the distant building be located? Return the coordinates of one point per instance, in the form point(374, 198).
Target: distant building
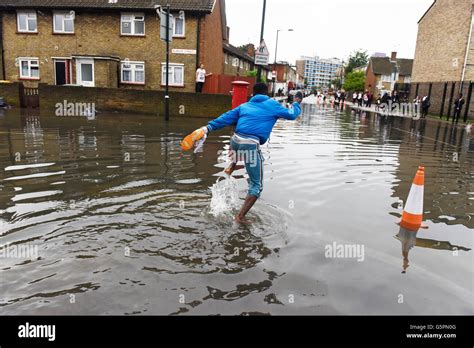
point(444, 46)
point(286, 77)
point(318, 73)
point(383, 73)
point(237, 61)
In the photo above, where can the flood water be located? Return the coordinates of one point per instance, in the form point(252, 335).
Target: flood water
point(121, 218)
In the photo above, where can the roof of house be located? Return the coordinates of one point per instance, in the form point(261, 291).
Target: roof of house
point(205, 6)
point(428, 10)
point(384, 66)
point(237, 52)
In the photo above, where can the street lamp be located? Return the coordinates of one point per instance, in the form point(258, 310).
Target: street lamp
point(276, 52)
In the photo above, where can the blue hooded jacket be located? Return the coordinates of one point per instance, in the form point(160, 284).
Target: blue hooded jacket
point(256, 118)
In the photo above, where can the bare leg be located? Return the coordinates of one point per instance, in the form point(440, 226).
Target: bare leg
point(248, 204)
point(230, 169)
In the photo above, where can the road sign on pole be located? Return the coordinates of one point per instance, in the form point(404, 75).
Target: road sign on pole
point(262, 56)
point(163, 21)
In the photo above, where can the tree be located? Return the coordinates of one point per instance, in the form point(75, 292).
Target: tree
point(337, 83)
point(252, 73)
point(356, 60)
point(355, 81)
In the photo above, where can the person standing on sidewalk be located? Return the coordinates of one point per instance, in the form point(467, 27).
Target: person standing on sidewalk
point(425, 106)
point(458, 104)
point(201, 78)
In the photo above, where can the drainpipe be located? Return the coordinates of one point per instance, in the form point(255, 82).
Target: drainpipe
point(198, 48)
point(467, 51)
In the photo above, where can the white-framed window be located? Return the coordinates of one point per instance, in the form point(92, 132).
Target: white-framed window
point(241, 64)
point(226, 58)
point(408, 79)
point(27, 21)
point(133, 72)
point(63, 22)
point(235, 62)
point(176, 74)
point(132, 24)
point(386, 78)
point(29, 68)
point(179, 25)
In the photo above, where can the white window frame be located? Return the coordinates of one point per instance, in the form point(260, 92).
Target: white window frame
point(241, 64)
point(172, 67)
point(182, 17)
point(65, 15)
point(235, 62)
point(133, 16)
point(386, 78)
point(79, 81)
point(30, 60)
point(28, 14)
point(133, 69)
point(226, 58)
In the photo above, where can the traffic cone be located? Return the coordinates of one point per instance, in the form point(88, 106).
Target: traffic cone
point(412, 217)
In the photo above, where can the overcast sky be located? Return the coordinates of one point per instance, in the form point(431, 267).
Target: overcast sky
point(328, 28)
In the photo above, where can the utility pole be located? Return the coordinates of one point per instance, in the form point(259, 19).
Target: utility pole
point(167, 96)
point(259, 72)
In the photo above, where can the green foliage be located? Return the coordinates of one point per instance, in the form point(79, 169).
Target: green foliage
point(337, 83)
point(355, 81)
point(252, 73)
point(356, 60)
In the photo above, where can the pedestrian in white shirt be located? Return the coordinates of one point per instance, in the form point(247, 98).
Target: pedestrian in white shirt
point(201, 78)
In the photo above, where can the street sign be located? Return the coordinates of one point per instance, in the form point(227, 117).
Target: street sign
point(262, 56)
point(163, 27)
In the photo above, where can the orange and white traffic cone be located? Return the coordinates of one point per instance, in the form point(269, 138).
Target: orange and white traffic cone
point(412, 217)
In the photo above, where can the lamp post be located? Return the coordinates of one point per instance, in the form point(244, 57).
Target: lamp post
point(276, 52)
point(259, 70)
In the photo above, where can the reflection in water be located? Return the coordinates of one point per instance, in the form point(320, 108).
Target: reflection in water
point(123, 218)
point(409, 240)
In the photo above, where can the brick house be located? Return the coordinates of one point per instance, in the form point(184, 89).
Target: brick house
point(384, 72)
point(237, 61)
point(106, 43)
point(444, 47)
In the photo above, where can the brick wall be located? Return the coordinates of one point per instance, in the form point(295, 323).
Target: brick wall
point(229, 69)
point(98, 33)
point(442, 40)
point(437, 91)
point(11, 93)
point(211, 49)
point(135, 101)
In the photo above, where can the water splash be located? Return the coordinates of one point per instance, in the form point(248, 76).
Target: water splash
point(225, 196)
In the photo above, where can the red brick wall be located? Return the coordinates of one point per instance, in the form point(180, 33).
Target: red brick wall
point(211, 48)
point(370, 80)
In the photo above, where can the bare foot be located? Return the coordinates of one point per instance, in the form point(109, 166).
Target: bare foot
point(242, 221)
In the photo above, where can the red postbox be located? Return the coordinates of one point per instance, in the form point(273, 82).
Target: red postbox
point(239, 93)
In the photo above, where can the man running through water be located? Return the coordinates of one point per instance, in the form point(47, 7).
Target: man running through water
point(254, 122)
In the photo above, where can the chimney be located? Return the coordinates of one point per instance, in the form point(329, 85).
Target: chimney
point(393, 57)
point(251, 50)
